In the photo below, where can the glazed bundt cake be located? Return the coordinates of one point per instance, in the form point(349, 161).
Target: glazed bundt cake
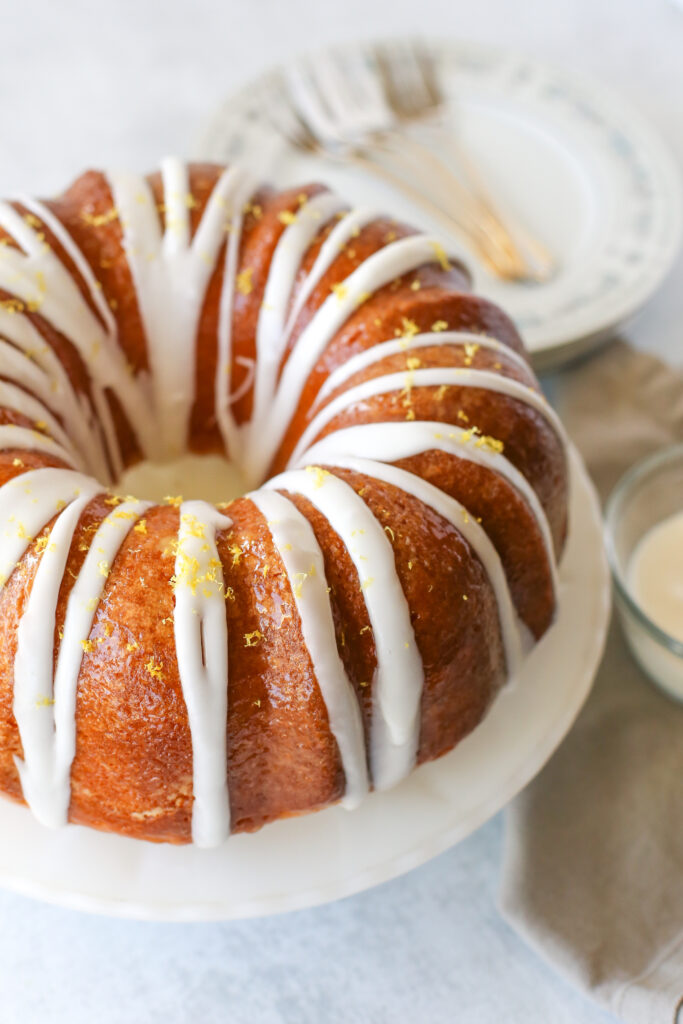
point(180, 670)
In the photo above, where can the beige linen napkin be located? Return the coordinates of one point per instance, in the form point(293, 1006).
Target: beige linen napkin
point(592, 872)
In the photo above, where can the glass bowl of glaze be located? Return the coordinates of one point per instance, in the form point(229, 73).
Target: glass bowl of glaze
point(644, 540)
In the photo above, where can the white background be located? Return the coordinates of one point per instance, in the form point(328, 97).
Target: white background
point(87, 84)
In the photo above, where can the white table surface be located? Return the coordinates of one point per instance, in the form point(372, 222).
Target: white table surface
point(82, 85)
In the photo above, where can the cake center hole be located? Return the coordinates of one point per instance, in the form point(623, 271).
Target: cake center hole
point(208, 477)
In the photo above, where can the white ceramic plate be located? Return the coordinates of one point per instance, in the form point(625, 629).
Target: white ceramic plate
point(562, 154)
point(321, 857)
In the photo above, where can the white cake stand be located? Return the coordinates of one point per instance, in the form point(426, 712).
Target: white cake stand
point(322, 857)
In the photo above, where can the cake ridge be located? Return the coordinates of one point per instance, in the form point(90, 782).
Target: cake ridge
point(419, 691)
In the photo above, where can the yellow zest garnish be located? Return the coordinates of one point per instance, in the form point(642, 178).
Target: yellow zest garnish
point(103, 567)
point(318, 474)
point(154, 668)
point(17, 462)
point(175, 501)
point(491, 443)
point(132, 646)
point(286, 217)
point(254, 209)
point(301, 577)
point(45, 702)
point(87, 645)
point(236, 552)
point(439, 325)
point(471, 350)
point(98, 220)
point(408, 328)
point(194, 526)
point(340, 290)
point(441, 256)
point(12, 305)
point(245, 285)
point(253, 639)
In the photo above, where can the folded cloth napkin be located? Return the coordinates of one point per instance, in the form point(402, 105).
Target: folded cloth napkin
point(592, 873)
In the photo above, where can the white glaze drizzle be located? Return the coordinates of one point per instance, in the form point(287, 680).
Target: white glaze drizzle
point(27, 503)
point(389, 442)
point(39, 281)
point(349, 226)
point(404, 346)
point(171, 272)
point(57, 229)
point(23, 438)
point(15, 398)
point(45, 706)
point(30, 362)
point(382, 267)
point(40, 770)
point(399, 677)
point(223, 398)
point(437, 376)
point(459, 517)
point(302, 558)
point(271, 337)
point(201, 639)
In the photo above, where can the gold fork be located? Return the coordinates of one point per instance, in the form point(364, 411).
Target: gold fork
point(291, 123)
point(413, 91)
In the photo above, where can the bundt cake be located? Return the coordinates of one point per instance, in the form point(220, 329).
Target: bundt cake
point(179, 670)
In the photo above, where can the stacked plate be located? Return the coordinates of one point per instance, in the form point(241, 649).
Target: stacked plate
point(563, 155)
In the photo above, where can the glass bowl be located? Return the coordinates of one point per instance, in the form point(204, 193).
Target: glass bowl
point(649, 493)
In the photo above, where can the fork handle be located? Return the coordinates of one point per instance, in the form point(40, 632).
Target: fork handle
point(512, 235)
point(491, 259)
point(481, 217)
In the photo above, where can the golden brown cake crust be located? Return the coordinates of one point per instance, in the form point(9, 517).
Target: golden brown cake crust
point(133, 766)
